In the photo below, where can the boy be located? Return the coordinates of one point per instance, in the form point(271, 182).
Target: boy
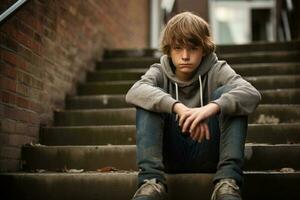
point(191, 113)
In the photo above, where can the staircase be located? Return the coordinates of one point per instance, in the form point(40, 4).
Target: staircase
point(90, 151)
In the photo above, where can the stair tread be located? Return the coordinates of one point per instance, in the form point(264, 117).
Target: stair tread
point(96, 96)
point(92, 157)
point(128, 126)
point(117, 82)
point(259, 185)
point(132, 108)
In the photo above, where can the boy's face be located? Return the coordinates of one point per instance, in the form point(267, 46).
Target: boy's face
point(186, 59)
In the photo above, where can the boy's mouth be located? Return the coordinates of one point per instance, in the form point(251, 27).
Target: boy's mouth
point(185, 64)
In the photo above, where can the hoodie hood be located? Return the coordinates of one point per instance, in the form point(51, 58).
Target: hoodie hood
point(207, 62)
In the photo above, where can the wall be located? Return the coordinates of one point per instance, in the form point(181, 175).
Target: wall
point(198, 7)
point(45, 49)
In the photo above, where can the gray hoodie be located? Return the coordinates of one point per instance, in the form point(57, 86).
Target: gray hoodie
point(159, 89)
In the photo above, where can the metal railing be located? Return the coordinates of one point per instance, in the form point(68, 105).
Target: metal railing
point(11, 9)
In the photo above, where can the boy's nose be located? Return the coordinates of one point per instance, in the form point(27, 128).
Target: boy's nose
point(185, 54)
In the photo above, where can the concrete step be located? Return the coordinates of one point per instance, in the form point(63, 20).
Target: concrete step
point(232, 58)
point(122, 185)
point(125, 134)
point(259, 46)
point(121, 87)
point(263, 69)
point(277, 96)
point(133, 62)
point(96, 102)
point(123, 157)
point(285, 133)
point(264, 114)
point(120, 116)
point(121, 53)
point(109, 87)
point(275, 114)
point(261, 57)
point(89, 135)
point(280, 96)
point(222, 49)
point(275, 82)
point(116, 74)
point(243, 69)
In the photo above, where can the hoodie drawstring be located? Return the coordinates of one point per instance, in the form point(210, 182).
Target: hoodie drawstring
point(201, 95)
point(176, 90)
point(201, 92)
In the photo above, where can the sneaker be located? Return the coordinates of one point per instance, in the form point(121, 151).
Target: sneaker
point(150, 190)
point(226, 189)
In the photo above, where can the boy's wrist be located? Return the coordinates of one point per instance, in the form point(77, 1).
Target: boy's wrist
point(214, 107)
point(178, 107)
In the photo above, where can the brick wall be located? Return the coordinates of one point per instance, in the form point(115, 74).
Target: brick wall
point(45, 49)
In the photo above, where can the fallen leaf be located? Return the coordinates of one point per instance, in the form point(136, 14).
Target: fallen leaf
point(107, 169)
point(287, 170)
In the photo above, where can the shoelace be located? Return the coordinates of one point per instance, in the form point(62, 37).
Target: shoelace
point(151, 182)
point(221, 184)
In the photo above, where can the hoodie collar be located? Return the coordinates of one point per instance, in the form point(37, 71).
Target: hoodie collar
point(203, 68)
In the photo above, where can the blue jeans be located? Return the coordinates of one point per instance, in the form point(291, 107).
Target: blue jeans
point(162, 147)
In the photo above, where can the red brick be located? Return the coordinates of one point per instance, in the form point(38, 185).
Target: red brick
point(8, 84)
point(23, 115)
point(2, 111)
point(34, 94)
point(23, 39)
point(36, 107)
point(33, 22)
point(9, 57)
point(10, 152)
point(23, 90)
point(23, 28)
point(8, 98)
point(8, 126)
point(15, 140)
point(22, 102)
point(33, 118)
point(9, 43)
point(36, 47)
point(38, 38)
point(26, 54)
point(27, 79)
point(5, 97)
point(33, 130)
point(9, 29)
point(9, 165)
point(37, 84)
point(9, 112)
point(49, 45)
point(9, 71)
point(22, 64)
point(21, 127)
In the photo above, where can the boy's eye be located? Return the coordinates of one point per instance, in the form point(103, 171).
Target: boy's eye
point(194, 48)
point(177, 47)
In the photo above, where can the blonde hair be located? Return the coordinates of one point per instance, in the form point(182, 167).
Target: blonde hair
point(186, 29)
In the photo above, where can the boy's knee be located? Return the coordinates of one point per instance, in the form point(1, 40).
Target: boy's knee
point(221, 90)
point(142, 114)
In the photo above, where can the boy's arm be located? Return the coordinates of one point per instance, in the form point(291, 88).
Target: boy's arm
point(193, 120)
point(147, 93)
point(242, 99)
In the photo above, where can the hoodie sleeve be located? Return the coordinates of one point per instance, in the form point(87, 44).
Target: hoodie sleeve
point(147, 93)
point(242, 99)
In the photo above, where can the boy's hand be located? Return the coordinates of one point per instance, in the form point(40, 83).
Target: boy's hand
point(192, 120)
point(200, 132)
